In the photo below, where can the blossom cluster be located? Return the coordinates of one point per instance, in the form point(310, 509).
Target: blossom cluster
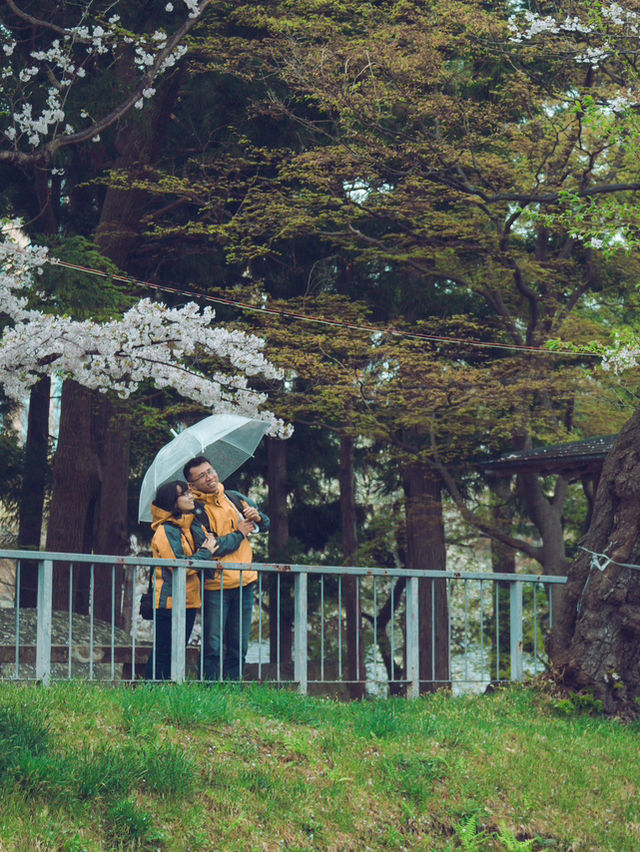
point(149, 343)
point(623, 355)
point(37, 84)
point(621, 359)
point(528, 25)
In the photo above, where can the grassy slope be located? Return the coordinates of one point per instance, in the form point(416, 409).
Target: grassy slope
point(187, 767)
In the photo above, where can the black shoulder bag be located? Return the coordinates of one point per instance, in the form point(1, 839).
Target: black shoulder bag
point(146, 600)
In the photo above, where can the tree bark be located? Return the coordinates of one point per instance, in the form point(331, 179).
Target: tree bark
point(426, 551)
point(355, 647)
point(76, 481)
point(595, 642)
point(34, 480)
point(546, 514)
point(110, 533)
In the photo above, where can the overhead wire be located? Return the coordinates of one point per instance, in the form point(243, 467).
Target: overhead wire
point(305, 317)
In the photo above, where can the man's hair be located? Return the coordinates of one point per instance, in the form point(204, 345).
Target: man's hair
point(186, 470)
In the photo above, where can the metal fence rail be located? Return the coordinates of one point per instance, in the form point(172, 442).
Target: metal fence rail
point(474, 628)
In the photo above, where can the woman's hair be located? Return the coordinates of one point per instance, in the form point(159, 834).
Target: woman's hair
point(167, 495)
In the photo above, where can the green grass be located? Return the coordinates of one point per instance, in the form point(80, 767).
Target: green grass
point(188, 767)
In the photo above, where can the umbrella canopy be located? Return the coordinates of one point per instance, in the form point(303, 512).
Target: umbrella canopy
point(226, 440)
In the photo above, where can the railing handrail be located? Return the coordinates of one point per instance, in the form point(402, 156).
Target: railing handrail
point(282, 568)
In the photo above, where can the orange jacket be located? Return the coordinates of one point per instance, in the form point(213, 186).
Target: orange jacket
point(220, 515)
point(176, 538)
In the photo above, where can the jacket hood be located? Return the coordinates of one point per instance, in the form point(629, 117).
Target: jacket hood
point(204, 498)
point(161, 516)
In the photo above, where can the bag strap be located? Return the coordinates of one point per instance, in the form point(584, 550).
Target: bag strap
point(234, 498)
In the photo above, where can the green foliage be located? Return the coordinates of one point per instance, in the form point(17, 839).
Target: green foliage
point(80, 295)
point(127, 824)
point(25, 736)
point(290, 707)
point(511, 842)
point(413, 776)
point(578, 704)
point(144, 707)
point(471, 840)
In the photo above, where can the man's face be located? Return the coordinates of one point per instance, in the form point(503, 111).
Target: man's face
point(203, 478)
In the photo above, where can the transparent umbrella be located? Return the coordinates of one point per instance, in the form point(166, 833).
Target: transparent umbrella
point(226, 440)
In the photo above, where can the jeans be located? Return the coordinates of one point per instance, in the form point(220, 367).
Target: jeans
point(163, 644)
point(227, 624)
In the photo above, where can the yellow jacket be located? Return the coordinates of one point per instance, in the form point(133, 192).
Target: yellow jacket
point(218, 513)
point(176, 538)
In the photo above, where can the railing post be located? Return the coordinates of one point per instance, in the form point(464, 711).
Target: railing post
point(178, 623)
point(43, 639)
point(412, 638)
point(300, 631)
point(515, 612)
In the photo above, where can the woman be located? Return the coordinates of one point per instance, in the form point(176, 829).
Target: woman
point(175, 538)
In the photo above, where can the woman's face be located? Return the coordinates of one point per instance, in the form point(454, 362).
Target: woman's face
point(184, 503)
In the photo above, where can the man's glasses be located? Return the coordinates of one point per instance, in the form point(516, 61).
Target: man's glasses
point(204, 475)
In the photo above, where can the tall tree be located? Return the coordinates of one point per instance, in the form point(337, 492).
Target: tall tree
point(447, 148)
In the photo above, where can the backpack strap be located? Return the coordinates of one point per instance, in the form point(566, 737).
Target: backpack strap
point(234, 498)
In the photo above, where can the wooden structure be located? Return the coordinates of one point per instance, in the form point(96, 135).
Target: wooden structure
point(574, 459)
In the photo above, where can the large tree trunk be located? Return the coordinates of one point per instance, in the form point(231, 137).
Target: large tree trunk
point(34, 480)
point(76, 481)
point(355, 646)
point(110, 533)
point(280, 600)
point(88, 512)
point(426, 551)
point(595, 643)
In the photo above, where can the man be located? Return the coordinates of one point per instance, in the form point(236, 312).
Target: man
point(228, 600)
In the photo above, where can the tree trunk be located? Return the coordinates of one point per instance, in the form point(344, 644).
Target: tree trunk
point(280, 601)
point(395, 673)
point(355, 646)
point(88, 510)
point(34, 481)
point(76, 481)
point(546, 514)
point(110, 533)
point(426, 551)
point(595, 643)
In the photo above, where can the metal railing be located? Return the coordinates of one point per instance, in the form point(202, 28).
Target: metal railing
point(473, 629)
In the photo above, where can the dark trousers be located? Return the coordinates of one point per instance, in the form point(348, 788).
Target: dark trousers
point(227, 625)
point(163, 644)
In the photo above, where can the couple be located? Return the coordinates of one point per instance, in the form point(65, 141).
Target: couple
point(197, 519)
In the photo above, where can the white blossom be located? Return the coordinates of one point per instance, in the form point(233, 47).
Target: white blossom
point(621, 359)
point(527, 26)
point(150, 342)
point(64, 60)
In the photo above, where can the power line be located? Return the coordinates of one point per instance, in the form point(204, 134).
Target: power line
point(371, 329)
